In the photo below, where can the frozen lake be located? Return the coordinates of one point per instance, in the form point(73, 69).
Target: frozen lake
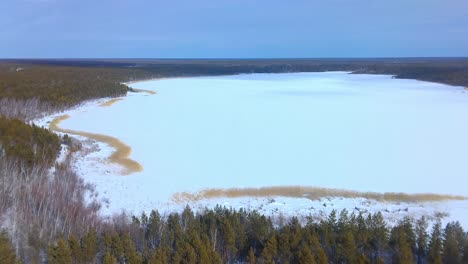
point(339, 130)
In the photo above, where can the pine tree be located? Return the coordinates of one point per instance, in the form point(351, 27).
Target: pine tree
point(465, 250)
point(153, 232)
point(304, 255)
point(117, 249)
point(89, 246)
point(130, 252)
point(228, 247)
point(109, 259)
point(453, 243)
point(362, 259)
point(106, 241)
point(59, 254)
point(435, 246)
point(421, 239)
point(251, 259)
point(401, 248)
point(407, 226)
point(7, 254)
point(176, 257)
point(188, 254)
point(378, 236)
point(317, 250)
point(75, 249)
point(270, 251)
point(346, 251)
point(362, 234)
point(296, 233)
point(160, 257)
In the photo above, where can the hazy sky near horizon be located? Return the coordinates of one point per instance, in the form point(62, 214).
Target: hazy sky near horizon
point(232, 28)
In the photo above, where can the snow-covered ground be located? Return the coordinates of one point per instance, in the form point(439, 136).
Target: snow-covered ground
point(336, 130)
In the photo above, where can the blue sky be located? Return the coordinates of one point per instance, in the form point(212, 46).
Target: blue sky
point(232, 28)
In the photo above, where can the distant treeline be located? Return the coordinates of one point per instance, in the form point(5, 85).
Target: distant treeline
point(228, 236)
point(69, 82)
point(57, 85)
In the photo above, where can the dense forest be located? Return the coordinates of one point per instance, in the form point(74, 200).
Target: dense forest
point(223, 235)
point(65, 83)
point(59, 86)
point(48, 214)
point(453, 71)
point(28, 143)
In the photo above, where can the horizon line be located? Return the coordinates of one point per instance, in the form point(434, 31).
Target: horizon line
point(231, 58)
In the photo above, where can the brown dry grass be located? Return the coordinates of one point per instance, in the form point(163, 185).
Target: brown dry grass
point(119, 156)
point(110, 102)
point(312, 193)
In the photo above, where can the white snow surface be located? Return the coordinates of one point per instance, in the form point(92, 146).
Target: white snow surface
point(334, 129)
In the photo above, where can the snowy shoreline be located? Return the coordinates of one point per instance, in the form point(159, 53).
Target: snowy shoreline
point(94, 168)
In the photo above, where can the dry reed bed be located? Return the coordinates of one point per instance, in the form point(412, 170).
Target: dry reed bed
point(312, 193)
point(119, 156)
point(110, 102)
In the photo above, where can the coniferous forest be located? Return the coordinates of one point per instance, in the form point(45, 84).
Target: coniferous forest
point(228, 236)
point(46, 215)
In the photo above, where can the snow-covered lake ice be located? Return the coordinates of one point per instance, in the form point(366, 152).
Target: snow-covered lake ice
point(338, 130)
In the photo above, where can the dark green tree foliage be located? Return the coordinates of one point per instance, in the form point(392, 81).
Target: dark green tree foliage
point(270, 251)
point(89, 245)
point(66, 83)
point(400, 242)
point(421, 239)
point(435, 245)
point(109, 259)
point(317, 250)
point(75, 249)
point(60, 86)
point(454, 243)
point(60, 253)
point(131, 254)
point(251, 258)
point(304, 255)
point(205, 238)
point(27, 143)
point(7, 253)
point(378, 236)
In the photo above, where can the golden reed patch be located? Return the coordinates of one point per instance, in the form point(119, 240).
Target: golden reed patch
point(119, 156)
point(312, 193)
